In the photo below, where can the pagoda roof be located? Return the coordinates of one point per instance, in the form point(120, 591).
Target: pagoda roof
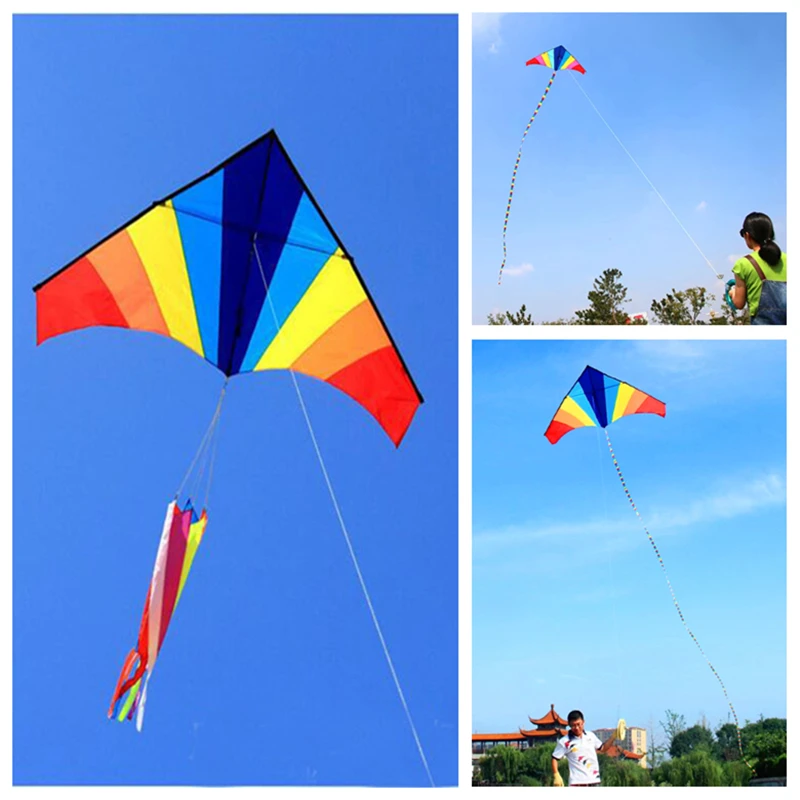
point(613, 750)
point(541, 733)
point(550, 718)
point(497, 737)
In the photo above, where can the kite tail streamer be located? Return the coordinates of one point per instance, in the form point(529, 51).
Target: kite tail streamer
point(514, 176)
point(675, 599)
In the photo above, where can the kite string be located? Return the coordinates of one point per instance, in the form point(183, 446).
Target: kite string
point(202, 450)
point(514, 175)
point(652, 185)
point(346, 535)
point(674, 599)
point(610, 569)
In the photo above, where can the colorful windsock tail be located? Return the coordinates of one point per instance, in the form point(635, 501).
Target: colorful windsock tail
point(128, 690)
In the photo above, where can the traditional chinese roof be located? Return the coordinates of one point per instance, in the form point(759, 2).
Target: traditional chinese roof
point(497, 737)
point(544, 733)
point(550, 718)
point(613, 750)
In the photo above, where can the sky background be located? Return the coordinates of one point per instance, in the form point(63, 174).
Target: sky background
point(272, 672)
point(704, 118)
point(570, 606)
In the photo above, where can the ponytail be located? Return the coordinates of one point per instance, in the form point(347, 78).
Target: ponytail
point(759, 226)
point(770, 252)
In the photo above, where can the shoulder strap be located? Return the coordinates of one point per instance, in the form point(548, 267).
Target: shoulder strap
point(756, 267)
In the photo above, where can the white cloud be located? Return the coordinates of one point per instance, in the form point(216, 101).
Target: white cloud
point(486, 31)
point(522, 269)
point(733, 259)
point(614, 533)
point(701, 206)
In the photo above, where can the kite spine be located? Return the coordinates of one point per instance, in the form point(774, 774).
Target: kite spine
point(675, 599)
point(514, 175)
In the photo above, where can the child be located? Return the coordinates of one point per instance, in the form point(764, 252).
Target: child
point(761, 277)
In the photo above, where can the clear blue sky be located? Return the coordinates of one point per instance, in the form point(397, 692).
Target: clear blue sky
point(570, 606)
point(271, 672)
point(699, 100)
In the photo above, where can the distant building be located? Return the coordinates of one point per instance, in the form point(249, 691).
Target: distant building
point(548, 729)
point(634, 746)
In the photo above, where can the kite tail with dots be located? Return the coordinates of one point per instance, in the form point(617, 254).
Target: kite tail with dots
point(675, 600)
point(514, 176)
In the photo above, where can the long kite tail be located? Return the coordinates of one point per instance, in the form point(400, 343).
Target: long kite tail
point(516, 167)
point(675, 599)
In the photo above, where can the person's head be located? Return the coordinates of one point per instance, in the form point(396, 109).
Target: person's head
point(758, 234)
point(575, 720)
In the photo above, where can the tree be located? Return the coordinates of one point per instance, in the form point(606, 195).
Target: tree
point(502, 765)
point(672, 726)
point(622, 772)
point(698, 737)
point(511, 318)
point(729, 316)
point(682, 308)
point(698, 768)
point(606, 300)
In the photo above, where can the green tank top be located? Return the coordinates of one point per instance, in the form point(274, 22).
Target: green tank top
point(745, 270)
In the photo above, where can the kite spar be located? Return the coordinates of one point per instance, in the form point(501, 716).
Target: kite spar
point(559, 58)
point(597, 400)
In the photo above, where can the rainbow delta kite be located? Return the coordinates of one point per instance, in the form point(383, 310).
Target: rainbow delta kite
point(557, 59)
point(242, 267)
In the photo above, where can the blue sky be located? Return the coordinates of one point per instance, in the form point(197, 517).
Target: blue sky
point(272, 672)
point(699, 100)
point(570, 606)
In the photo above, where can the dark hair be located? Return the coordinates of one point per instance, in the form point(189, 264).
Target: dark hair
point(759, 226)
point(574, 715)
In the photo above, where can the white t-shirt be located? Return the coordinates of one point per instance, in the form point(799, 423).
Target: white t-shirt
point(581, 754)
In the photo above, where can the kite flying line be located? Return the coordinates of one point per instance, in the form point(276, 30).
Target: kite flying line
point(652, 185)
point(346, 535)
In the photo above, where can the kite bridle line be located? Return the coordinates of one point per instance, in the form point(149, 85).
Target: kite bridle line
point(652, 185)
point(208, 445)
point(346, 535)
point(514, 175)
point(675, 599)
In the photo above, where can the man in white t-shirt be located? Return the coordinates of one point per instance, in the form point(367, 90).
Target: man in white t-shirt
point(580, 747)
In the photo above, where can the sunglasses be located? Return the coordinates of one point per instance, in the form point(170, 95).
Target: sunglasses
point(741, 233)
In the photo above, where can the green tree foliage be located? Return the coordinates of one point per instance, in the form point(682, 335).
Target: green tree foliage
point(507, 766)
point(698, 768)
point(682, 308)
point(520, 317)
point(695, 738)
point(605, 302)
point(672, 726)
point(501, 766)
point(765, 744)
point(621, 772)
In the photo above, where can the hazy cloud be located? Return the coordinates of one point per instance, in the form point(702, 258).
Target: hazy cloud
point(486, 31)
point(522, 269)
point(701, 206)
point(612, 533)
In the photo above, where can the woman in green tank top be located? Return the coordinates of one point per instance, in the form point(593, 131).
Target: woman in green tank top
point(761, 277)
